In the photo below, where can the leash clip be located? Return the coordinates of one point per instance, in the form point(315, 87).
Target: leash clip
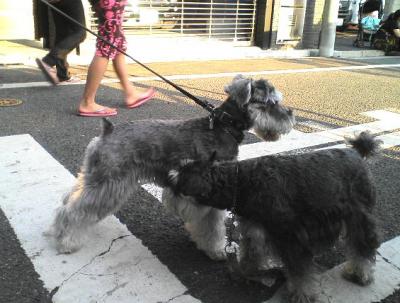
point(211, 120)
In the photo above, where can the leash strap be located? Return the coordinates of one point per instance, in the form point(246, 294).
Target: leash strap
point(206, 105)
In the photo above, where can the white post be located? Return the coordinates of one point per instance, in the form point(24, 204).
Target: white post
point(328, 29)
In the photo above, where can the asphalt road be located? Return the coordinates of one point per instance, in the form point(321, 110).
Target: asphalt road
point(331, 99)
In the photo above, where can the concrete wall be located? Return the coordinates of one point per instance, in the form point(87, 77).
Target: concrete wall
point(16, 19)
point(391, 6)
point(312, 23)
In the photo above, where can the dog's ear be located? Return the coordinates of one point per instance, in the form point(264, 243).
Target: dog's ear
point(189, 181)
point(108, 127)
point(239, 89)
point(264, 92)
point(173, 176)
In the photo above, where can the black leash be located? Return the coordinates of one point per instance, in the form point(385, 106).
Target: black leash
point(206, 105)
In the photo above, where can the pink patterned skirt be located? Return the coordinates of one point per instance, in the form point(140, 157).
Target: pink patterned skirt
point(110, 16)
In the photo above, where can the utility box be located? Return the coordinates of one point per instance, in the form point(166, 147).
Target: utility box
point(291, 21)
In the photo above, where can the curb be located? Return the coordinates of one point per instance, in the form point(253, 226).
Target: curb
point(148, 51)
point(358, 53)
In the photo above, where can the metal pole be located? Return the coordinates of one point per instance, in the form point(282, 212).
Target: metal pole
point(328, 30)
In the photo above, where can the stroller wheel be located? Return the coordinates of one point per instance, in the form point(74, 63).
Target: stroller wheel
point(358, 43)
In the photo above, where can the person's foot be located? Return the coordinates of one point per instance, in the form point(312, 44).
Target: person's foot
point(352, 27)
point(71, 80)
point(137, 99)
point(96, 110)
point(49, 72)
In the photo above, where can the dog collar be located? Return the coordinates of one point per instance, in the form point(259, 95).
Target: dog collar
point(222, 116)
point(231, 124)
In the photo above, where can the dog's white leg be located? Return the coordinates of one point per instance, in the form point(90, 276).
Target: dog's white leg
point(302, 289)
point(205, 224)
point(362, 242)
point(359, 271)
point(208, 232)
point(84, 206)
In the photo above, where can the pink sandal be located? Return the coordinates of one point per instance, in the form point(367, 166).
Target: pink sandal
point(143, 100)
point(104, 112)
point(48, 71)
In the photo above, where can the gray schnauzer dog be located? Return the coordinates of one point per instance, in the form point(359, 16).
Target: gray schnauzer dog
point(300, 203)
point(127, 155)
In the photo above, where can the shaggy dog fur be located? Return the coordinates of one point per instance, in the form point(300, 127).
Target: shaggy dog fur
point(127, 155)
point(301, 203)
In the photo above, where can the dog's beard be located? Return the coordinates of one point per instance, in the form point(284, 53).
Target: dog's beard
point(268, 129)
point(267, 136)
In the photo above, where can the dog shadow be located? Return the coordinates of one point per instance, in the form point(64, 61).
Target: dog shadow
point(166, 238)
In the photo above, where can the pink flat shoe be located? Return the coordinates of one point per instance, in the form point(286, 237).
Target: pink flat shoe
point(143, 100)
point(104, 112)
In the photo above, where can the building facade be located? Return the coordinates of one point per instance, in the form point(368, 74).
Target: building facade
point(269, 24)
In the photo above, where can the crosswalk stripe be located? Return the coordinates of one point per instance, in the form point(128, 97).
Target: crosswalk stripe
point(387, 121)
point(112, 267)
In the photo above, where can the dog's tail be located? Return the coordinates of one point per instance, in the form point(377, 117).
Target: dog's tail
point(365, 144)
point(108, 127)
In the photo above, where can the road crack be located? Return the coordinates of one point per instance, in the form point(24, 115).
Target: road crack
point(57, 288)
point(388, 261)
point(178, 296)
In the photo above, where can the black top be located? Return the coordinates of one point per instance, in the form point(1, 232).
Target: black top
point(390, 24)
point(371, 6)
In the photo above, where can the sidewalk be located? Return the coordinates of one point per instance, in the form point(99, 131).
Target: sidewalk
point(344, 46)
point(148, 49)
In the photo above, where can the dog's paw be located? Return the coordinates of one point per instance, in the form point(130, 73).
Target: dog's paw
point(301, 297)
point(218, 255)
point(65, 250)
point(357, 274)
point(50, 232)
point(67, 245)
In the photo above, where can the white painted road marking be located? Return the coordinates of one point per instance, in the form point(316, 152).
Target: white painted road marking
point(128, 272)
point(387, 121)
point(217, 75)
point(332, 288)
point(31, 186)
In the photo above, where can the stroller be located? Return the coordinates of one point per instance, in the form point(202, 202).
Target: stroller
point(368, 22)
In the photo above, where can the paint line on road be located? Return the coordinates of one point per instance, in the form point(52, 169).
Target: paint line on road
point(387, 121)
point(332, 288)
point(32, 184)
point(217, 75)
point(388, 141)
point(314, 125)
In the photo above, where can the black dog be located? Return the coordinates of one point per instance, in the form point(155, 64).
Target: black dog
point(302, 203)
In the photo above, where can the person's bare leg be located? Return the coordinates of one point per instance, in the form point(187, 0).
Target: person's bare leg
point(96, 72)
point(131, 94)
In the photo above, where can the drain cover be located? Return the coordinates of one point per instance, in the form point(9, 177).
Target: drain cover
point(10, 102)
